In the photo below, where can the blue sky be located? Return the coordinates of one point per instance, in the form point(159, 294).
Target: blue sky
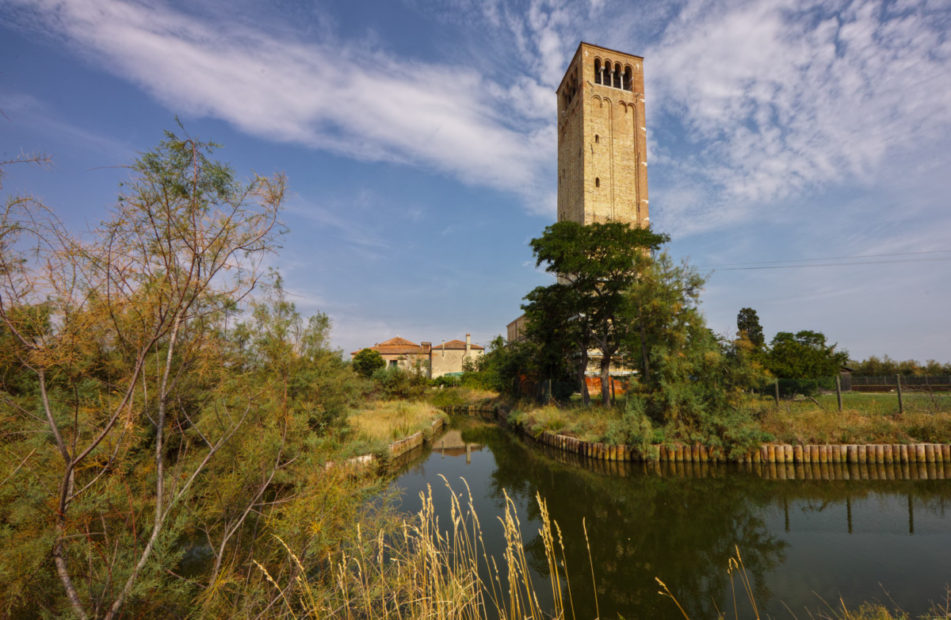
point(800, 151)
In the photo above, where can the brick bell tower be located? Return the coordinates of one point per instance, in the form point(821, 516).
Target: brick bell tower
point(602, 139)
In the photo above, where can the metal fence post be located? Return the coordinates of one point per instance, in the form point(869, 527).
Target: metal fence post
point(838, 392)
point(901, 406)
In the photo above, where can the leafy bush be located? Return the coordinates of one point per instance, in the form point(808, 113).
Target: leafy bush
point(446, 381)
point(368, 361)
point(396, 383)
point(633, 428)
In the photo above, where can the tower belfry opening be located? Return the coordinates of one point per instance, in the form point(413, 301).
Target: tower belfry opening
point(602, 138)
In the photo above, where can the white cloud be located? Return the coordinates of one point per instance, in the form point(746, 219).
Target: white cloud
point(360, 103)
point(779, 98)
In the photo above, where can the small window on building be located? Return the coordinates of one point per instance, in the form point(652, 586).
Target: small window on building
point(597, 181)
point(596, 138)
point(597, 70)
point(393, 363)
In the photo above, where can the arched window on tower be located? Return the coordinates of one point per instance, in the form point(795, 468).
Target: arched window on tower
point(628, 81)
point(597, 70)
point(617, 76)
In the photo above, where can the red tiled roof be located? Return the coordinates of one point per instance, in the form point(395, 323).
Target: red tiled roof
point(395, 346)
point(396, 342)
point(457, 344)
point(402, 346)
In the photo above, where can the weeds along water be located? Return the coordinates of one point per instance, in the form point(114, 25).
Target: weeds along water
point(433, 570)
point(429, 570)
point(523, 554)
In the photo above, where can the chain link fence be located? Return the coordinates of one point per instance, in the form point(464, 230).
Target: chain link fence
point(895, 392)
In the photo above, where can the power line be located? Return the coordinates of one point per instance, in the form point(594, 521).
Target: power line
point(844, 264)
point(836, 258)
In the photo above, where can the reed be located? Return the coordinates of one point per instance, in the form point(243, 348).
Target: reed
point(431, 571)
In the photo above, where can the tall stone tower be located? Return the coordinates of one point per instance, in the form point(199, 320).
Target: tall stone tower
point(602, 138)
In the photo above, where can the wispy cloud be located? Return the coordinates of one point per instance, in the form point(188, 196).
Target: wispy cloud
point(361, 103)
point(783, 97)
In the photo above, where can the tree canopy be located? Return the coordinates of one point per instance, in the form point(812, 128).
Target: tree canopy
point(368, 361)
point(748, 326)
point(588, 306)
point(804, 354)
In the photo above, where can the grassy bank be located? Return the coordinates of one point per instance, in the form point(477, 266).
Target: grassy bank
point(380, 423)
point(865, 418)
point(461, 396)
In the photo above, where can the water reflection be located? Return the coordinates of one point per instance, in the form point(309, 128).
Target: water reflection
point(452, 444)
point(803, 533)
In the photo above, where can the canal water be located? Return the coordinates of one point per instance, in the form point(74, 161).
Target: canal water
point(807, 543)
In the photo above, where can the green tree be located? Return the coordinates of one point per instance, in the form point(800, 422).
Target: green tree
point(281, 348)
point(804, 357)
point(747, 325)
point(559, 336)
point(663, 302)
point(368, 361)
point(504, 367)
point(588, 306)
point(689, 378)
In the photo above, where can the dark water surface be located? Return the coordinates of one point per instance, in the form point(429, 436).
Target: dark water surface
point(805, 544)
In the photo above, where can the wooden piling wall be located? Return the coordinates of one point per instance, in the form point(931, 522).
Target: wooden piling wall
point(796, 454)
point(920, 460)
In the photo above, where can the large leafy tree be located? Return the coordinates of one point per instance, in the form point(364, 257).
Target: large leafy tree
point(559, 332)
point(804, 354)
point(804, 360)
point(688, 377)
point(588, 307)
point(663, 303)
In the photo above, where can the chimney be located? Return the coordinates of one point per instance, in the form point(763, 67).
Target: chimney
point(468, 344)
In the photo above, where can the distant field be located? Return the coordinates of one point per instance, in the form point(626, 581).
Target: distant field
point(876, 402)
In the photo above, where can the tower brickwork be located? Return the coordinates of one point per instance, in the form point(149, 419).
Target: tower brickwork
point(602, 139)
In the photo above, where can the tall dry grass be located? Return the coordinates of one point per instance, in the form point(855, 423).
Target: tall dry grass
point(388, 420)
point(865, 418)
point(426, 570)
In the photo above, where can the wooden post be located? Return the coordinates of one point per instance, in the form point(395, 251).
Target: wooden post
point(848, 511)
point(901, 406)
point(911, 515)
point(838, 392)
point(776, 388)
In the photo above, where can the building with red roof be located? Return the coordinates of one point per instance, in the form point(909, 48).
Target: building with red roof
point(448, 358)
